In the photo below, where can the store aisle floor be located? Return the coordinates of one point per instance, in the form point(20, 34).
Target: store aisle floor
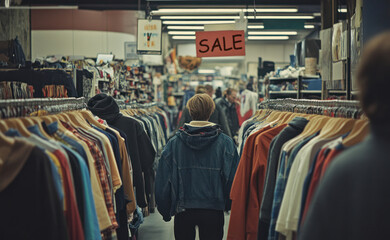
point(154, 228)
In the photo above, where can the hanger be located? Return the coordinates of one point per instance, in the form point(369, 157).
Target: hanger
point(27, 121)
point(88, 115)
point(336, 127)
point(18, 124)
point(314, 125)
point(357, 134)
point(6, 144)
point(3, 126)
point(273, 116)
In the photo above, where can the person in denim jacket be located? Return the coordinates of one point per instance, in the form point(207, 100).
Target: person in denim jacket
point(195, 175)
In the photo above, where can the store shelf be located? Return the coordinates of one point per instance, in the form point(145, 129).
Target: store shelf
point(337, 91)
point(283, 79)
point(310, 76)
point(132, 80)
point(311, 91)
point(355, 92)
point(283, 92)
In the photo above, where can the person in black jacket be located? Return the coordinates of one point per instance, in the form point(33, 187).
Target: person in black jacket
point(217, 117)
point(352, 199)
point(228, 105)
point(139, 146)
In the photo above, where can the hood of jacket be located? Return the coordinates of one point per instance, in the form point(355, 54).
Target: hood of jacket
point(198, 135)
point(105, 107)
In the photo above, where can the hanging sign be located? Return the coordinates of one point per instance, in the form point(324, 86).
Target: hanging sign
point(220, 43)
point(149, 37)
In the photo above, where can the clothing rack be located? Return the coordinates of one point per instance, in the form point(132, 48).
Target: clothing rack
point(24, 107)
point(336, 108)
point(123, 105)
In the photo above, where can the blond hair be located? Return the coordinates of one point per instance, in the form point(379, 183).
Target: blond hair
point(201, 106)
point(200, 89)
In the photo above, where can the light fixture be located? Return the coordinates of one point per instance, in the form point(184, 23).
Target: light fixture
point(199, 17)
point(181, 32)
point(198, 11)
point(185, 27)
point(267, 37)
point(206, 71)
point(273, 33)
point(342, 10)
point(255, 27)
point(195, 10)
point(291, 10)
point(281, 17)
point(196, 22)
point(309, 26)
point(184, 37)
point(317, 14)
point(42, 7)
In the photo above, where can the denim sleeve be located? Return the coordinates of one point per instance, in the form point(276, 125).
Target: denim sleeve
point(229, 171)
point(163, 185)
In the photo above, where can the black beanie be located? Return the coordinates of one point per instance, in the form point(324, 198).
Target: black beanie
point(104, 106)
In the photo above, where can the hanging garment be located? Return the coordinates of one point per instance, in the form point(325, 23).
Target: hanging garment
point(248, 105)
point(251, 172)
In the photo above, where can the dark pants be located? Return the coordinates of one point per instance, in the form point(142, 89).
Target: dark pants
point(210, 223)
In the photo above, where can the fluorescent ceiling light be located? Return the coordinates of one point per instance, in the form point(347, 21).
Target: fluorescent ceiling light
point(196, 22)
point(196, 10)
point(281, 17)
point(342, 10)
point(185, 27)
point(181, 32)
point(255, 27)
point(42, 7)
point(267, 37)
point(199, 17)
point(206, 71)
point(272, 10)
point(273, 33)
point(219, 10)
point(309, 26)
point(184, 37)
point(318, 14)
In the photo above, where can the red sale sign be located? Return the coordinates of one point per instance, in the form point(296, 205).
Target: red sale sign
point(220, 43)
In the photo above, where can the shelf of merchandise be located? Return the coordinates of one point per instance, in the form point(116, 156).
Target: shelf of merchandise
point(337, 91)
point(282, 79)
point(311, 91)
point(310, 76)
point(132, 80)
point(355, 92)
point(283, 92)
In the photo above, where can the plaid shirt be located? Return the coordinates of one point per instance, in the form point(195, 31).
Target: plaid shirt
point(102, 172)
point(281, 183)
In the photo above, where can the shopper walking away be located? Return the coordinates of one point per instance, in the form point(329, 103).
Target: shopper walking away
point(218, 93)
point(217, 117)
point(195, 174)
point(352, 200)
point(228, 104)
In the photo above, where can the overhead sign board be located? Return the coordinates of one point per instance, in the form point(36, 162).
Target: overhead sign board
point(149, 37)
point(220, 43)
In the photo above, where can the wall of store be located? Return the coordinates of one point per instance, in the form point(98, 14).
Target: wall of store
point(81, 32)
point(16, 23)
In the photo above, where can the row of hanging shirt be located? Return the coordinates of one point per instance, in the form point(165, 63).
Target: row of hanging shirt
point(283, 157)
point(77, 175)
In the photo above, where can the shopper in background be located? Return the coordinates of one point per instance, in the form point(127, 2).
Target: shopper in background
point(248, 106)
point(195, 175)
point(217, 117)
point(228, 104)
point(352, 200)
point(218, 93)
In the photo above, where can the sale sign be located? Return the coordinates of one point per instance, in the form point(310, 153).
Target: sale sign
point(220, 43)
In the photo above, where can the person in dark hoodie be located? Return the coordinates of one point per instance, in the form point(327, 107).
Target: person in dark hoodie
point(139, 146)
point(195, 175)
point(218, 116)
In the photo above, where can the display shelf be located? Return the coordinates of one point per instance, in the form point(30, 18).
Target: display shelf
point(283, 92)
point(310, 76)
point(283, 79)
point(311, 91)
point(354, 92)
point(132, 80)
point(337, 91)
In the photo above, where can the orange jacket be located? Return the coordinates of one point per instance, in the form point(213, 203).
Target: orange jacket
point(247, 188)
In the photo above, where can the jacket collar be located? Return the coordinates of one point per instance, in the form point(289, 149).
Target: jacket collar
point(200, 124)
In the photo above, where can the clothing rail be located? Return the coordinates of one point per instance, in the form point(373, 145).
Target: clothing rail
point(123, 105)
point(335, 108)
point(24, 107)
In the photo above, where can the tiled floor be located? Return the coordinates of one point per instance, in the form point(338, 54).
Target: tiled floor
point(154, 228)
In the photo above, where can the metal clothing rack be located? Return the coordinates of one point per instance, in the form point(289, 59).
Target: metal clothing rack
point(123, 105)
point(24, 107)
point(337, 108)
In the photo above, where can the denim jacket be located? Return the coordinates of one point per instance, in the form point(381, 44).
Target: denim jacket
point(196, 170)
